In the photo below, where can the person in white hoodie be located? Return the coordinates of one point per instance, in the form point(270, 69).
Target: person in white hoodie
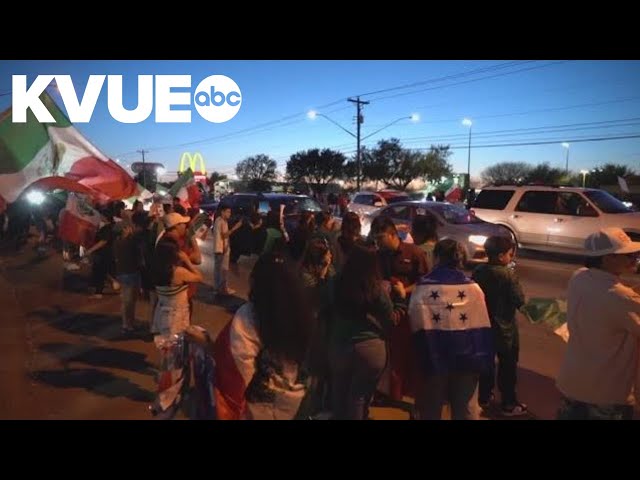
point(600, 366)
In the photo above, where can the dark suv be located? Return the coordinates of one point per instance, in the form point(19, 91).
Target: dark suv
point(243, 205)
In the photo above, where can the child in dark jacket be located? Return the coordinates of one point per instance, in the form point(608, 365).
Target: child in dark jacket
point(503, 296)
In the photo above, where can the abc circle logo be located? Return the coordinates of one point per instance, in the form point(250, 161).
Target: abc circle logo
point(218, 98)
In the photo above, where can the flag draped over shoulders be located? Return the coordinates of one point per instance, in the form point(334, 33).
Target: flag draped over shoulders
point(450, 325)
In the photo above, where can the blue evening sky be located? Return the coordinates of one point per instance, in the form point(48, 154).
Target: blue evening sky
point(508, 102)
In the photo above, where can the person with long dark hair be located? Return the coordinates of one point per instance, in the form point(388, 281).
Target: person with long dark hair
point(318, 277)
point(301, 235)
point(261, 354)
point(424, 230)
point(349, 237)
point(364, 317)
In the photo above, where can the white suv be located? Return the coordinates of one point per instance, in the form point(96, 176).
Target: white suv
point(554, 219)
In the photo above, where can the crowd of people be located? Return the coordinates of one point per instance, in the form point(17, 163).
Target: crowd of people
point(335, 322)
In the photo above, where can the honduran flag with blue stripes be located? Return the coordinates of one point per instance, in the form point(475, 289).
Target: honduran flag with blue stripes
point(450, 324)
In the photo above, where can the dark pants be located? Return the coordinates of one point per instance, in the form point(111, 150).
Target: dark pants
point(355, 372)
point(507, 377)
point(99, 272)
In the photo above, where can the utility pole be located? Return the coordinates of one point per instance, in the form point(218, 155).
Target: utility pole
point(359, 120)
point(144, 170)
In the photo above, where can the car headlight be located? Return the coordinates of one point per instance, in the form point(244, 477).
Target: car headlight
point(365, 228)
point(478, 240)
point(35, 197)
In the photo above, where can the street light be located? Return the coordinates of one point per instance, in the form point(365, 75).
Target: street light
point(413, 117)
point(468, 123)
point(584, 176)
point(566, 161)
point(312, 114)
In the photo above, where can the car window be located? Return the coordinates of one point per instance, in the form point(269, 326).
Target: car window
point(401, 212)
point(294, 205)
point(606, 202)
point(571, 203)
point(398, 198)
point(245, 204)
point(538, 202)
point(493, 199)
point(363, 199)
point(454, 214)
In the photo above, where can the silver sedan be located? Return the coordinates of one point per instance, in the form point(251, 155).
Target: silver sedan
point(454, 221)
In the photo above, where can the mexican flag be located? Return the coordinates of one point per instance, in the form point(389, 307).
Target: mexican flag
point(186, 190)
point(141, 194)
point(79, 222)
point(55, 155)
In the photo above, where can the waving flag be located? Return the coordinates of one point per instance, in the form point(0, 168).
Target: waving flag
point(551, 312)
point(79, 222)
point(235, 350)
point(57, 155)
point(180, 188)
point(450, 324)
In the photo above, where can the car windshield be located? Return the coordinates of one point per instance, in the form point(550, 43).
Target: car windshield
point(397, 198)
point(606, 202)
point(454, 214)
point(296, 204)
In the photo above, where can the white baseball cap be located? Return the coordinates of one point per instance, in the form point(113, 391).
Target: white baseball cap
point(610, 241)
point(174, 219)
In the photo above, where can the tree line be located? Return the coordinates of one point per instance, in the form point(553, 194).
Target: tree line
point(387, 163)
point(510, 173)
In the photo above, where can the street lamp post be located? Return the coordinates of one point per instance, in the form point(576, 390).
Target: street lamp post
point(312, 114)
point(566, 159)
point(468, 123)
point(584, 177)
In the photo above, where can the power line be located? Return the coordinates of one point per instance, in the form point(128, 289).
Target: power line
point(296, 115)
point(544, 142)
point(541, 110)
point(625, 122)
point(476, 71)
point(600, 123)
point(469, 81)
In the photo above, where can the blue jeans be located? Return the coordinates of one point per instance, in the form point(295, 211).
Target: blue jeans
point(355, 371)
point(220, 271)
point(460, 390)
point(129, 287)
